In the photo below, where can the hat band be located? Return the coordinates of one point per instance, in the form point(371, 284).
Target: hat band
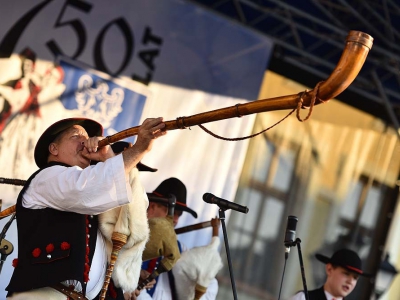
point(354, 269)
point(177, 202)
point(181, 204)
point(158, 194)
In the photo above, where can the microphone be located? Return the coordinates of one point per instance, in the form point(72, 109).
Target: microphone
point(290, 233)
point(224, 204)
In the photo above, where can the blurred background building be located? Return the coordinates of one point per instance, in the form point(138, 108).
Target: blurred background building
point(336, 172)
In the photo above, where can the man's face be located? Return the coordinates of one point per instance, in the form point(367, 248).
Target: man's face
point(177, 215)
point(68, 147)
point(157, 210)
point(340, 282)
point(27, 66)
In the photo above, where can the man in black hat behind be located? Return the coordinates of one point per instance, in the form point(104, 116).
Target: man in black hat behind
point(342, 270)
point(165, 285)
point(169, 186)
point(58, 237)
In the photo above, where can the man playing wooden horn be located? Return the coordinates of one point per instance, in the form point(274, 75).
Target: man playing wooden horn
point(164, 287)
point(58, 237)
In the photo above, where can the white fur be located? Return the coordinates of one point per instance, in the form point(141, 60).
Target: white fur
point(198, 265)
point(131, 220)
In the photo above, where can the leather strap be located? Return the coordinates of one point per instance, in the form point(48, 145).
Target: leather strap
point(69, 292)
point(171, 279)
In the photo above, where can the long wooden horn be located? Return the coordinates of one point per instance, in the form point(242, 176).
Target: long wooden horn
point(12, 181)
point(353, 57)
point(7, 212)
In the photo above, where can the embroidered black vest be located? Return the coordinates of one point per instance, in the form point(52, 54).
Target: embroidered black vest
point(317, 294)
point(52, 246)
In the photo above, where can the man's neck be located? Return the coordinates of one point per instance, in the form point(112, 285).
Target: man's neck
point(329, 294)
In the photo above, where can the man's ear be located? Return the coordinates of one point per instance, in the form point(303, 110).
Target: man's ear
point(328, 269)
point(53, 148)
point(150, 208)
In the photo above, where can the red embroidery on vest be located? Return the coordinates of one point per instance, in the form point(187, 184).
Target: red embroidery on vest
point(152, 264)
point(87, 267)
point(49, 248)
point(15, 262)
point(65, 246)
point(36, 252)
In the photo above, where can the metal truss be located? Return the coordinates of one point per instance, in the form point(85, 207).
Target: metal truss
point(309, 36)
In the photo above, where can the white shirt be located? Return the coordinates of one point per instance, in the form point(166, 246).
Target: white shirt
point(91, 191)
point(301, 296)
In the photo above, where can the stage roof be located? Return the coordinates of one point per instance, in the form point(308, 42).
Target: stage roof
point(309, 37)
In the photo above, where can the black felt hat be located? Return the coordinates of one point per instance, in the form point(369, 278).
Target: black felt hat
point(345, 258)
point(121, 146)
point(178, 189)
point(92, 128)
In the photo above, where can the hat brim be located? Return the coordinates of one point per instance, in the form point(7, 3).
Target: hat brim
point(327, 260)
point(183, 207)
point(178, 206)
point(41, 153)
point(143, 167)
point(323, 258)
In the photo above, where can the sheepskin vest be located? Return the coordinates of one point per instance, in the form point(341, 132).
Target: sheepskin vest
point(53, 246)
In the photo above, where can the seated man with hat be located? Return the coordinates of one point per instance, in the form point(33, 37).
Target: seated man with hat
point(342, 271)
point(165, 286)
point(60, 249)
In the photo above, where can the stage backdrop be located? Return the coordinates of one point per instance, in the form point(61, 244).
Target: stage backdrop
point(120, 63)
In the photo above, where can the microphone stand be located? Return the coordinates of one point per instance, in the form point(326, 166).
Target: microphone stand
point(303, 276)
point(222, 218)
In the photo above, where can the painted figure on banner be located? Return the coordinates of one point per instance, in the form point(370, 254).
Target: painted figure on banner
point(42, 92)
point(21, 117)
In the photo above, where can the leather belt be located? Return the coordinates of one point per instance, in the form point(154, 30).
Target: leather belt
point(68, 291)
